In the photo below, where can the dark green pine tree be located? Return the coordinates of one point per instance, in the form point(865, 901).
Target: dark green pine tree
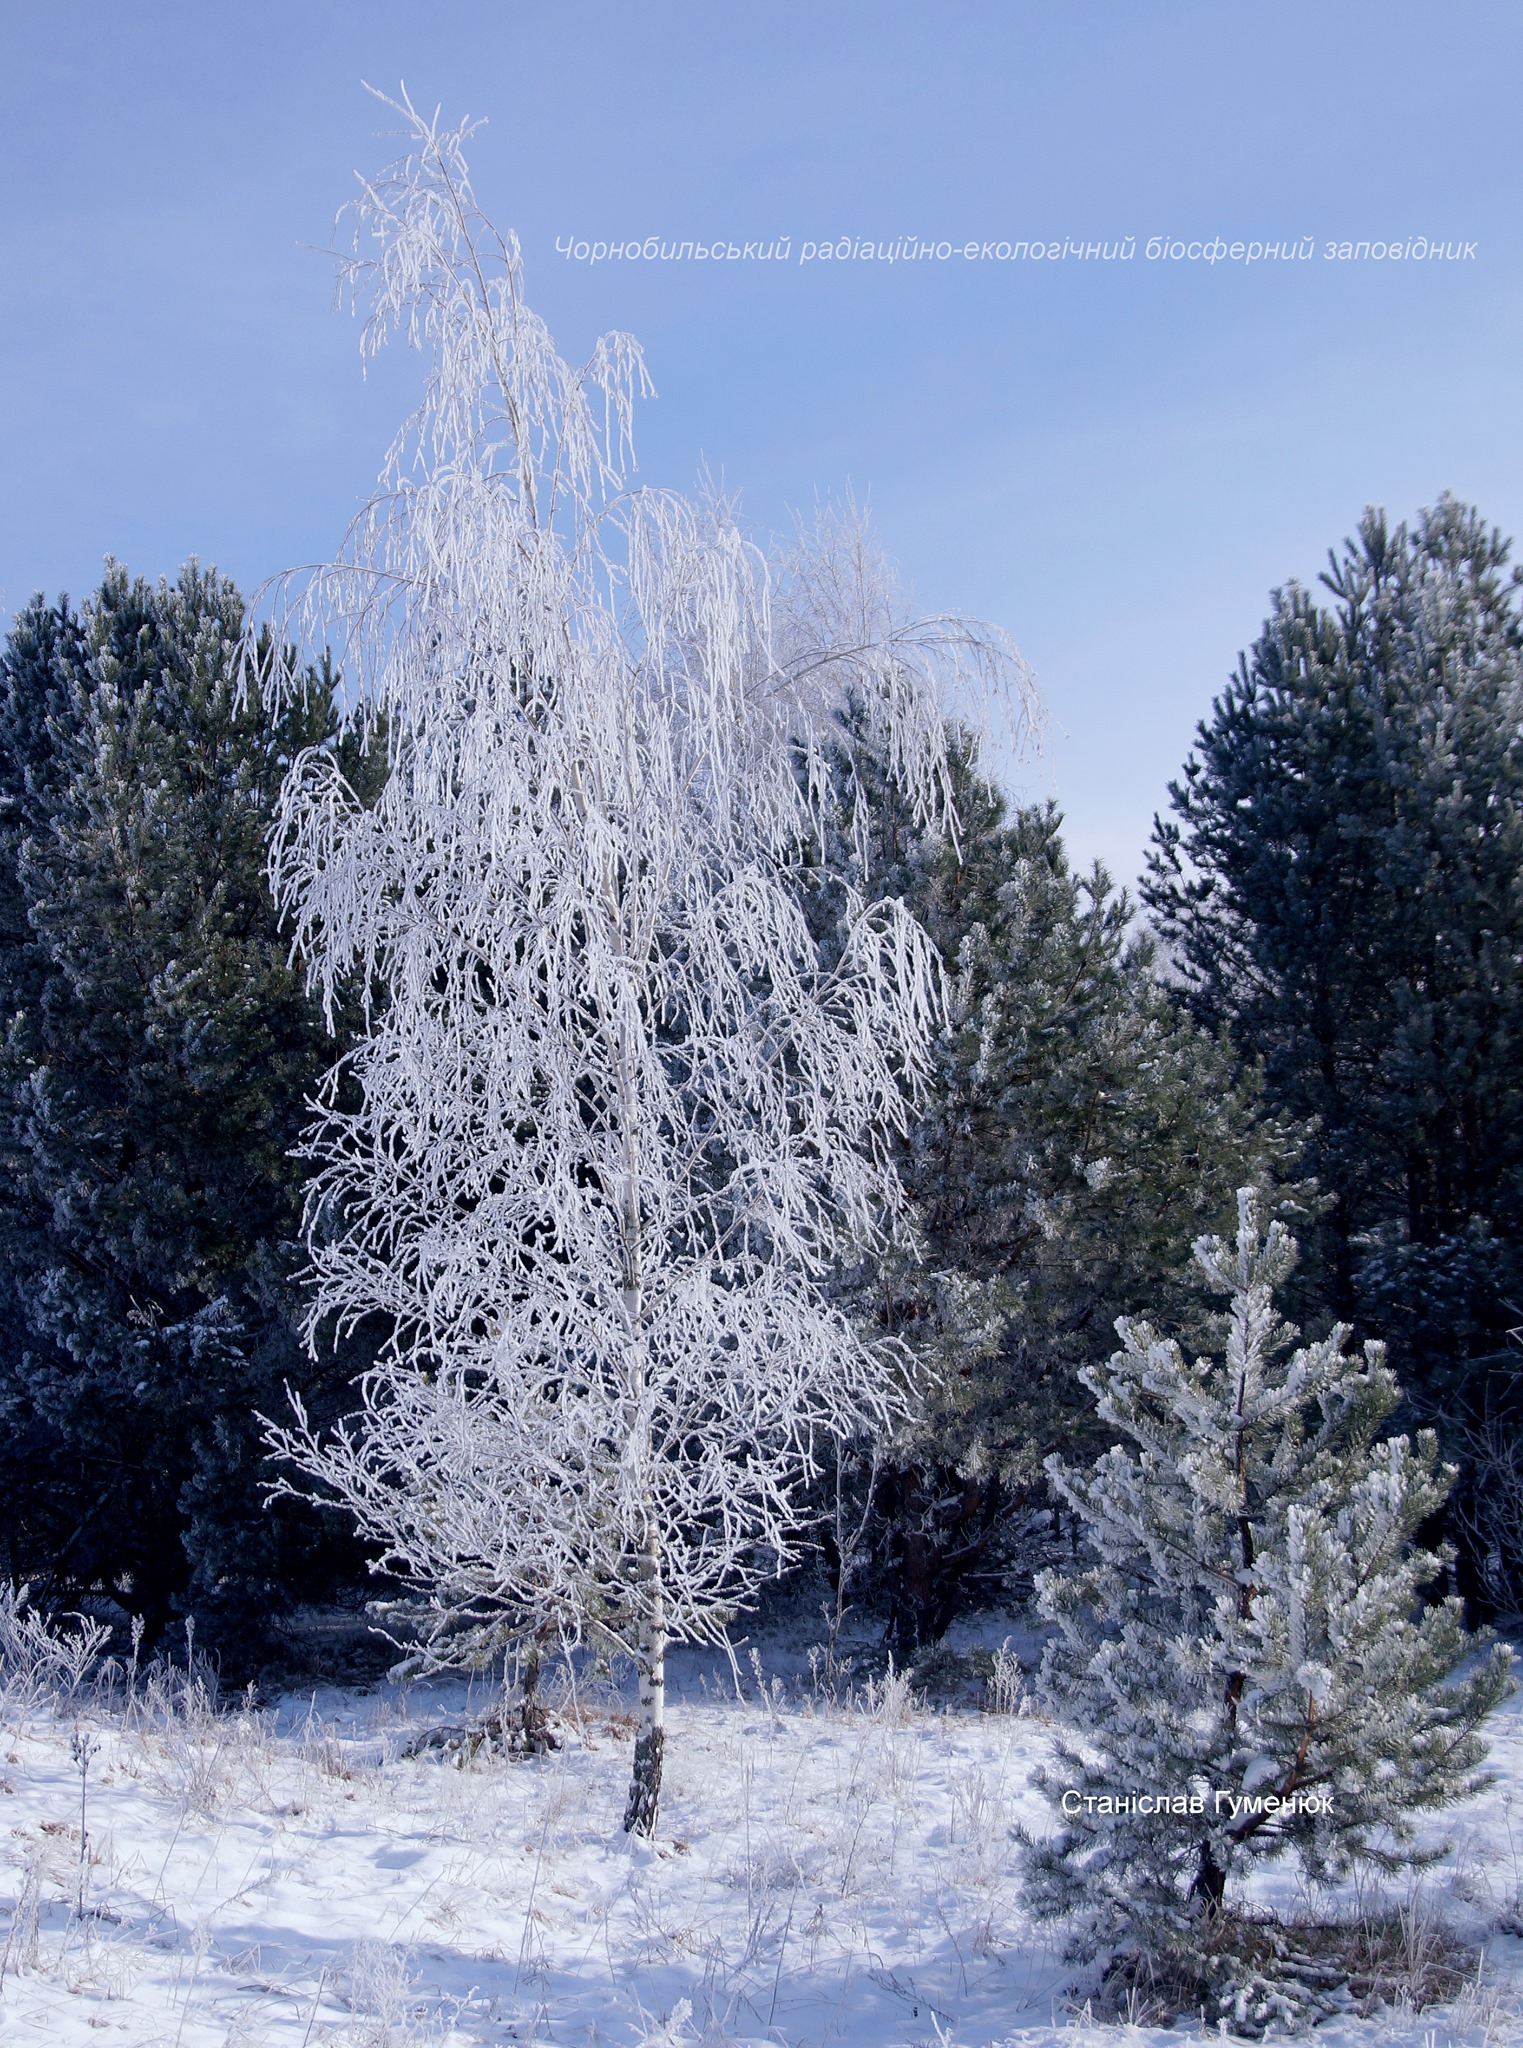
point(1340, 887)
point(1078, 1134)
point(158, 1052)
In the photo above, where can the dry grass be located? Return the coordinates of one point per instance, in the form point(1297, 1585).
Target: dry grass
point(1258, 1970)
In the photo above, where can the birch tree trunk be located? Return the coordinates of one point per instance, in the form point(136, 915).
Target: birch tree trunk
point(650, 1743)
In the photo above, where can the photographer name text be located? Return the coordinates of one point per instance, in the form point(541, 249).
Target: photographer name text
point(1236, 1805)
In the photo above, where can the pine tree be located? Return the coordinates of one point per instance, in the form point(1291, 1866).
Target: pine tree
point(157, 1052)
point(1341, 889)
point(1244, 1659)
point(1075, 1136)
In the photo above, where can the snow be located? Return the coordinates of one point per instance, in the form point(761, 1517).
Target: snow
point(826, 1871)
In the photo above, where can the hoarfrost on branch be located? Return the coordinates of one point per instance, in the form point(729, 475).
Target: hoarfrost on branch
point(610, 1124)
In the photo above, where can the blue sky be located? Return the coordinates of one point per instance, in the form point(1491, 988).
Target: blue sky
point(1114, 461)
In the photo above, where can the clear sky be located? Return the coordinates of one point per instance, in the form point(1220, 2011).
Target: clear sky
point(1116, 461)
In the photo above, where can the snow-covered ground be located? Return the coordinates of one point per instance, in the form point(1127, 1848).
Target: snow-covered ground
point(826, 1872)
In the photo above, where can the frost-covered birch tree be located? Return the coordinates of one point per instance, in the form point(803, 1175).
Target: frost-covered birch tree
point(613, 1120)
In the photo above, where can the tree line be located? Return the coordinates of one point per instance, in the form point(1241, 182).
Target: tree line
point(1320, 997)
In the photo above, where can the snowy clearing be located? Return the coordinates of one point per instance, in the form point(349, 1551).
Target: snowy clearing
point(824, 1872)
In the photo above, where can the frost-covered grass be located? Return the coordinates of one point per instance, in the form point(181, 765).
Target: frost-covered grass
point(826, 1870)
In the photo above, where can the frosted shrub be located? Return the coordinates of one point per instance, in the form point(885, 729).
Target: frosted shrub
point(890, 1701)
point(43, 1659)
point(379, 1995)
point(1005, 1687)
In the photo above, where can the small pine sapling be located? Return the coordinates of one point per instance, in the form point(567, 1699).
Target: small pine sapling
point(1247, 1658)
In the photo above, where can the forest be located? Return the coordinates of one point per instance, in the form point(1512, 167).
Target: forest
point(552, 1111)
